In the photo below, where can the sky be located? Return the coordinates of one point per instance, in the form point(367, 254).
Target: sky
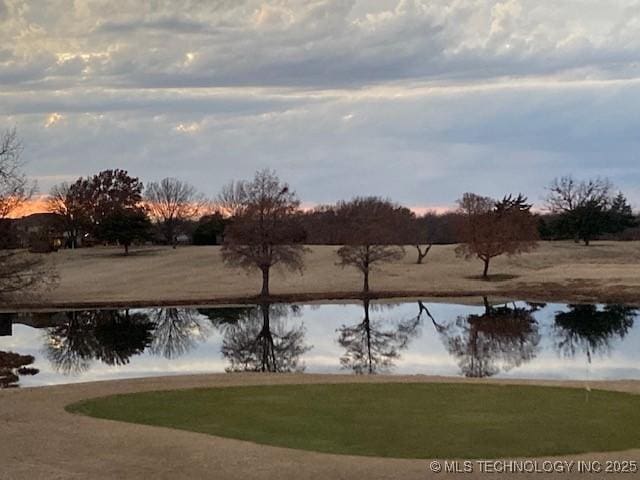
point(414, 100)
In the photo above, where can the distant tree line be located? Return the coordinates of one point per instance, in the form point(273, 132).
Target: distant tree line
point(261, 225)
point(573, 210)
point(112, 206)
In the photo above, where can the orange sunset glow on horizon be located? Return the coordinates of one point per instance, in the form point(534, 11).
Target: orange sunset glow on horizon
point(35, 205)
point(39, 205)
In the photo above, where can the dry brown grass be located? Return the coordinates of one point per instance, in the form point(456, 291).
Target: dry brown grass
point(605, 271)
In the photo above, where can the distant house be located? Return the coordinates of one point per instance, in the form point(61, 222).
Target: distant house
point(38, 232)
point(183, 239)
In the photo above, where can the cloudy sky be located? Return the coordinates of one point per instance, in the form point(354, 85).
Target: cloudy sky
point(418, 100)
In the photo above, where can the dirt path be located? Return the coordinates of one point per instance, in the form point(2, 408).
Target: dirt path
point(41, 441)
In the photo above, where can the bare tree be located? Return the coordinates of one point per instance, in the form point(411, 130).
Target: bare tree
point(19, 271)
point(265, 230)
point(420, 236)
point(582, 206)
point(566, 193)
point(232, 198)
point(15, 188)
point(372, 234)
point(422, 253)
point(172, 203)
point(489, 228)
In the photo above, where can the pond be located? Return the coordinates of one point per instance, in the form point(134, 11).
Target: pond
point(515, 339)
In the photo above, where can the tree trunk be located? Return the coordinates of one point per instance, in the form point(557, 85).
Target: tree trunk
point(126, 249)
point(487, 307)
point(587, 242)
point(169, 233)
point(265, 282)
point(485, 273)
point(422, 254)
point(367, 326)
point(365, 287)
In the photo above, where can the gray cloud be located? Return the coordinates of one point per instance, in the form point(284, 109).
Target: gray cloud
point(422, 149)
point(168, 24)
point(324, 43)
point(418, 100)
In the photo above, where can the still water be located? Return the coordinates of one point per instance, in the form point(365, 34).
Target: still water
point(516, 339)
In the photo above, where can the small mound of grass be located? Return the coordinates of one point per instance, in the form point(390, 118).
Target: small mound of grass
point(403, 420)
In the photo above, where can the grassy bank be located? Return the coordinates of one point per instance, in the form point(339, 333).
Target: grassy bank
point(394, 420)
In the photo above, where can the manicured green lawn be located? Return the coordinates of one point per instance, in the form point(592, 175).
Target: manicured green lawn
point(426, 420)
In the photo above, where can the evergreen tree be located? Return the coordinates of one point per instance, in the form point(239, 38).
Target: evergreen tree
point(621, 215)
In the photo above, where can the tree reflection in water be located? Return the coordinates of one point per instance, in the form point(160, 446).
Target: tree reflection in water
point(258, 339)
point(501, 338)
point(177, 331)
point(371, 346)
point(590, 330)
point(111, 336)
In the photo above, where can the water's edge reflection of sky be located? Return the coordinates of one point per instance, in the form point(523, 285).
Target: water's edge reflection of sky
point(517, 340)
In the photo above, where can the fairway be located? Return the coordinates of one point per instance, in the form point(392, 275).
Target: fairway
point(402, 420)
point(556, 270)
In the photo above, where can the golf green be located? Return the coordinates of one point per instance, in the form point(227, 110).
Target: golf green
point(403, 420)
